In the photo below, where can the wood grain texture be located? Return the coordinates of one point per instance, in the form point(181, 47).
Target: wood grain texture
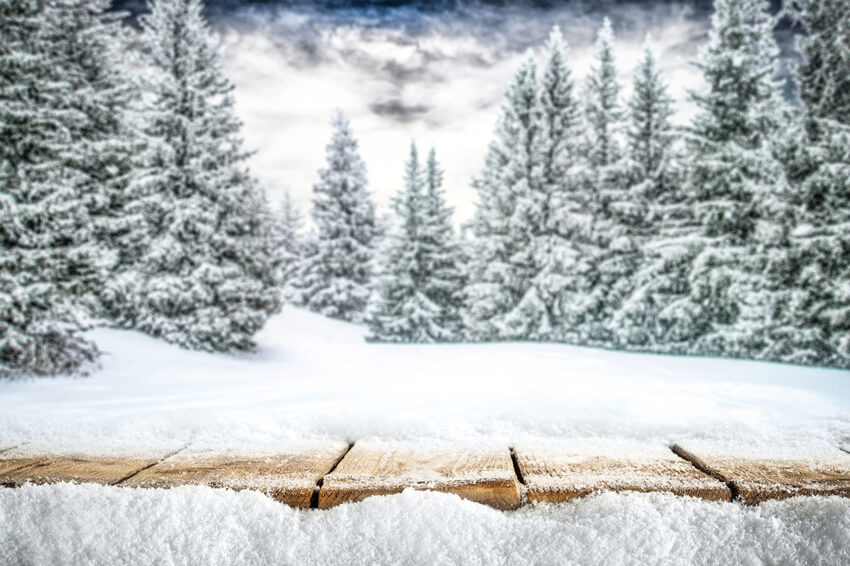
point(287, 476)
point(485, 476)
point(8, 467)
point(758, 479)
point(68, 468)
point(554, 474)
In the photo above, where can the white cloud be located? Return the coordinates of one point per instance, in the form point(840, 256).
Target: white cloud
point(434, 79)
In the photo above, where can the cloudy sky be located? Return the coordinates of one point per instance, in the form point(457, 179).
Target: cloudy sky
point(433, 72)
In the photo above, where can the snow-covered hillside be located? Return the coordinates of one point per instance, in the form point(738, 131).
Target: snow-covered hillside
point(317, 378)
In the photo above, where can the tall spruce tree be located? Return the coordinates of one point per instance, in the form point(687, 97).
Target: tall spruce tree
point(602, 99)
point(46, 235)
point(289, 239)
point(400, 310)
point(207, 279)
point(334, 277)
point(737, 188)
point(644, 212)
point(442, 255)
point(559, 215)
point(500, 273)
point(91, 48)
point(606, 183)
point(818, 164)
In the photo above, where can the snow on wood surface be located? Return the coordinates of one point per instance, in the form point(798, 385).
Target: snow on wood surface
point(289, 476)
point(554, 472)
point(381, 468)
point(106, 470)
point(758, 478)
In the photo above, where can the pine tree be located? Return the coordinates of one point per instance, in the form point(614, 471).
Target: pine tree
point(736, 186)
point(442, 255)
point(644, 213)
point(207, 280)
point(289, 239)
point(824, 74)
point(606, 184)
point(500, 271)
point(818, 164)
point(334, 278)
point(46, 247)
point(91, 46)
point(400, 311)
point(559, 216)
point(603, 110)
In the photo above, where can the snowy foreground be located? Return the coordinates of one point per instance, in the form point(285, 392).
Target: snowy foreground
point(199, 525)
point(317, 379)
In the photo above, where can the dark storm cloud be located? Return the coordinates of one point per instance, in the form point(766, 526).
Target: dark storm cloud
point(506, 28)
point(397, 110)
point(433, 71)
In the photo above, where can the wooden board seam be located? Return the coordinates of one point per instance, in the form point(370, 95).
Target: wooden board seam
point(151, 465)
point(314, 497)
point(703, 467)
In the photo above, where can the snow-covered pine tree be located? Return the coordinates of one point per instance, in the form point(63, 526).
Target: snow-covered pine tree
point(824, 73)
point(334, 277)
point(46, 242)
point(90, 47)
point(442, 256)
point(289, 239)
point(644, 213)
point(399, 310)
point(560, 216)
point(500, 271)
point(737, 188)
point(606, 183)
point(207, 280)
point(818, 164)
point(603, 111)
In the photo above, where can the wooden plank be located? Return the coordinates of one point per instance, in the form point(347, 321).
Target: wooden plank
point(9, 466)
point(757, 479)
point(71, 467)
point(562, 471)
point(288, 475)
point(382, 468)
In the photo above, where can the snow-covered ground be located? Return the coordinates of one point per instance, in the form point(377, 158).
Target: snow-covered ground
point(87, 524)
point(317, 378)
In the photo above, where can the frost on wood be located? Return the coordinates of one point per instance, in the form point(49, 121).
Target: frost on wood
point(288, 476)
point(760, 477)
point(484, 475)
point(560, 471)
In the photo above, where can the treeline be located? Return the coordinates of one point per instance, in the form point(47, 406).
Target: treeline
point(125, 199)
point(598, 222)
point(124, 193)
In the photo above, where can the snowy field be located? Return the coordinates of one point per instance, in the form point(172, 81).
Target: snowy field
point(317, 379)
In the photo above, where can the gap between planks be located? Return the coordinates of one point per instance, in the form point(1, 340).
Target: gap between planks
point(314, 497)
point(700, 465)
point(151, 465)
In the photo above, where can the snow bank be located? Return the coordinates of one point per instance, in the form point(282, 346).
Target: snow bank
point(88, 524)
point(314, 378)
